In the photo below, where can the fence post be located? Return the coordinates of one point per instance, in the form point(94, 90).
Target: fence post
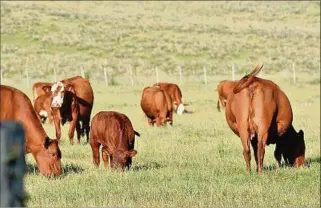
point(27, 78)
point(106, 76)
point(13, 164)
point(1, 74)
point(205, 75)
point(156, 71)
point(293, 70)
point(180, 74)
point(55, 75)
point(131, 75)
point(82, 71)
point(233, 71)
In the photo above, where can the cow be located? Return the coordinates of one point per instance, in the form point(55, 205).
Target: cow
point(114, 131)
point(42, 107)
point(258, 111)
point(40, 88)
point(72, 100)
point(174, 93)
point(224, 88)
point(15, 105)
point(157, 106)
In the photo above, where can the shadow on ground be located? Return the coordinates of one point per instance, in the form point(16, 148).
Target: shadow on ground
point(308, 163)
point(146, 166)
point(65, 169)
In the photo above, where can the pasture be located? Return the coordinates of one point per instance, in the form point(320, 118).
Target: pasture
point(198, 162)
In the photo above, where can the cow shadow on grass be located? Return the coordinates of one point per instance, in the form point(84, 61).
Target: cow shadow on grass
point(188, 112)
point(66, 169)
point(146, 166)
point(308, 163)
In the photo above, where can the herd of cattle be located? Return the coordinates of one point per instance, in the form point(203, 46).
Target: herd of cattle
point(256, 110)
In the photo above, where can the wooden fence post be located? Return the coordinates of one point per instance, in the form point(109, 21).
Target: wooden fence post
point(180, 74)
point(131, 75)
point(106, 76)
point(13, 164)
point(156, 71)
point(82, 71)
point(233, 72)
point(1, 74)
point(55, 75)
point(27, 78)
point(205, 74)
point(293, 70)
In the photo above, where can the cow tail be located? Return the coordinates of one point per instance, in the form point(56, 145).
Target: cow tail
point(218, 105)
point(246, 80)
point(136, 133)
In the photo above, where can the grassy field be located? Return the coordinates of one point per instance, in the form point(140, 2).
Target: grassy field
point(198, 162)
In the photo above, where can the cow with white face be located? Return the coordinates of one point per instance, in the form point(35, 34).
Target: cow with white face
point(64, 107)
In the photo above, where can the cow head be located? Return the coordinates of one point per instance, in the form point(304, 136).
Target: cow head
point(180, 109)
point(122, 159)
point(48, 158)
point(295, 149)
point(57, 91)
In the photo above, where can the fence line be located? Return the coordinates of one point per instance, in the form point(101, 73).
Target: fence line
point(205, 75)
point(233, 72)
point(293, 70)
point(180, 74)
point(156, 71)
point(105, 75)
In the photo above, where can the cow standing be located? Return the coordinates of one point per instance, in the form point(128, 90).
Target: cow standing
point(174, 93)
point(72, 100)
point(224, 88)
point(15, 105)
point(42, 106)
point(40, 88)
point(260, 112)
point(157, 106)
point(114, 131)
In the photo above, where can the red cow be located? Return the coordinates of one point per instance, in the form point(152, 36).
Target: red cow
point(157, 106)
point(224, 88)
point(260, 112)
point(115, 133)
point(15, 105)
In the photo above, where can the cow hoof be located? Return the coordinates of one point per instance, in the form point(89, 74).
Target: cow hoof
point(72, 142)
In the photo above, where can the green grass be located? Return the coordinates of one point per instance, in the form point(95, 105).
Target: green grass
point(198, 162)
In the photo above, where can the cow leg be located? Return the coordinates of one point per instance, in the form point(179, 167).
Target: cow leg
point(150, 122)
point(254, 146)
point(72, 131)
point(278, 154)
point(78, 130)
point(95, 149)
point(171, 118)
point(261, 150)
point(244, 135)
point(160, 121)
point(86, 127)
point(105, 156)
point(57, 127)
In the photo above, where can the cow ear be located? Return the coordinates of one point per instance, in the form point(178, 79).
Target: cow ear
point(130, 153)
point(46, 88)
point(47, 142)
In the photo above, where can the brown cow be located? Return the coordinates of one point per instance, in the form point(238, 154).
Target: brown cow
point(39, 88)
point(42, 106)
point(224, 88)
point(157, 106)
point(115, 133)
point(258, 110)
point(174, 93)
point(79, 102)
point(15, 105)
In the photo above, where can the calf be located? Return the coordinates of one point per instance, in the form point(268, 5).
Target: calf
point(115, 133)
point(224, 88)
point(42, 106)
point(260, 112)
point(40, 88)
point(15, 105)
point(174, 93)
point(157, 106)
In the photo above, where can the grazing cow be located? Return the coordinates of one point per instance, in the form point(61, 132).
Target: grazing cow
point(40, 88)
point(224, 88)
point(174, 93)
point(72, 100)
point(157, 106)
point(260, 112)
point(42, 106)
point(15, 105)
point(115, 133)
